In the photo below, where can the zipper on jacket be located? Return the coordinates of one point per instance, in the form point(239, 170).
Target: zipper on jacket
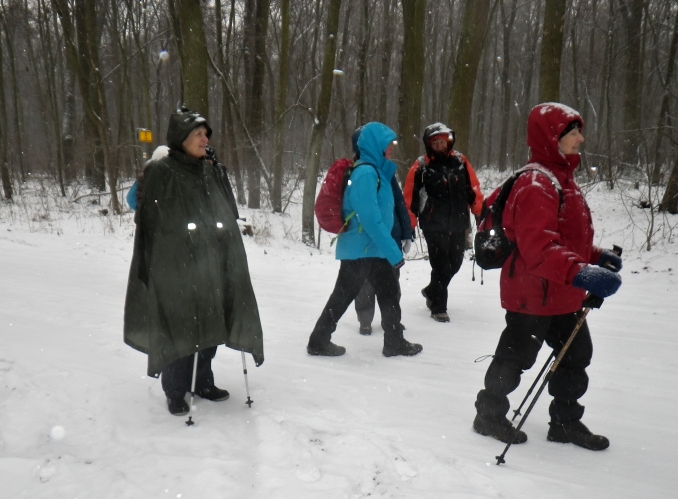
point(545, 288)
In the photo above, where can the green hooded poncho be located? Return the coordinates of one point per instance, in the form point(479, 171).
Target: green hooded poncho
point(189, 285)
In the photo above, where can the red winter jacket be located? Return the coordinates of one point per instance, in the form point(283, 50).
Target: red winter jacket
point(554, 234)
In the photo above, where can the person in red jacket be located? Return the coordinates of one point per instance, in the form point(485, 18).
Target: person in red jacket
point(544, 281)
point(439, 190)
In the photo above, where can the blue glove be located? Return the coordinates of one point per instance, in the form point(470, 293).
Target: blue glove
point(598, 280)
point(610, 260)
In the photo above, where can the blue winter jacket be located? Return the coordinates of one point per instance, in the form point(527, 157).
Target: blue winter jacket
point(369, 230)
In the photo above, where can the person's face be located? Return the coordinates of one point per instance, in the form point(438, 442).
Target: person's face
point(195, 143)
point(389, 151)
point(439, 143)
point(570, 142)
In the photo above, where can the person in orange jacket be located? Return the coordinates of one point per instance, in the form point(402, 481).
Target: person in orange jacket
point(439, 190)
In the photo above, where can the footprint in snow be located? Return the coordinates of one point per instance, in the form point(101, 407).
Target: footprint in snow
point(309, 474)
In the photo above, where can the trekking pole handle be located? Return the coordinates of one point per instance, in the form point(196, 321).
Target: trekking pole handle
point(617, 250)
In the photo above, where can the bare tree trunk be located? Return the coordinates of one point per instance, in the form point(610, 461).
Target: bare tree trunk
point(4, 171)
point(18, 108)
point(314, 50)
point(670, 199)
point(85, 58)
point(192, 55)
point(608, 97)
point(145, 73)
point(474, 24)
point(506, 83)
point(387, 39)
point(230, 141)
point(411, 83)
point(361, 114)
point(320, 122)
point(254, 114)
point(340, 101)
point(276, 195)
point(68, 123)
point(551, 50)
point(47, 54)
point(632, 13)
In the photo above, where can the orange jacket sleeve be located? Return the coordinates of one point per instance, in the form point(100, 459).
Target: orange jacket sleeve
point(475, 185)
point(408, 191)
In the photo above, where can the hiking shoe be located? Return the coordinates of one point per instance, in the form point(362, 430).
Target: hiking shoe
point(577, 433)
point(429, 303)
point(441, 317)
point(365, 329)
point(401, 347)
point(177, 407)
point(213, 393)
point(329, 350)
point(502, 429)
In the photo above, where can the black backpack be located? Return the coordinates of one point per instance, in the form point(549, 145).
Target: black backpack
point(491, 246)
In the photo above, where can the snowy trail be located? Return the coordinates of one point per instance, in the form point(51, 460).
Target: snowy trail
point(356, 426)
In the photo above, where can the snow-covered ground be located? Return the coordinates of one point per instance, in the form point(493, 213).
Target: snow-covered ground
point(78, 418)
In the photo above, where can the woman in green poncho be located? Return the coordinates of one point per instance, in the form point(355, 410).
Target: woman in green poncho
point(189, 287)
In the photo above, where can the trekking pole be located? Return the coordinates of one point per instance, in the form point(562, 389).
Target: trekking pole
point(616, 249)
point(591, 301)
point(189, 422)
point(247, 386)
point(516, 412)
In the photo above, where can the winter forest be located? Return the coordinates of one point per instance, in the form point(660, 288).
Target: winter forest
point(285, 83)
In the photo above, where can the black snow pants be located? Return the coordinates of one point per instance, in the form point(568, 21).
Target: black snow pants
point(176, 377)
point(446, 254)
point(365, 301)
point(517, 351)
point(352, 275)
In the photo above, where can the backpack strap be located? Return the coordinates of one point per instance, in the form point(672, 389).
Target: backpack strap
point(499, 203)
point(347, 175)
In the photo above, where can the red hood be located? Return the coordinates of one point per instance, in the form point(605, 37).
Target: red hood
point(544, 126)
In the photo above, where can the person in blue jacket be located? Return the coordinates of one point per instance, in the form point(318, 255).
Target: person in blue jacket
point(403, 236)
point(366, 249)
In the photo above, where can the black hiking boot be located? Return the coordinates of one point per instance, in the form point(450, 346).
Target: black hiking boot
point(577, 433)
point(213, 393)
point(177, 407)
point(429, 303)
point(502, 429)
point(441, 317)
point(365, 329)
point(329, 350)
point(400, 346)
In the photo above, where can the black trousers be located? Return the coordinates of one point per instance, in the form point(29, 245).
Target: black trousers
point(352, 275)
point(446, 254)
point(365, 301)
point(176, 377)
point(517, 351)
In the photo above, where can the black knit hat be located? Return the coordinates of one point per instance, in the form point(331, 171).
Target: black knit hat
point(570, 126)
point(182, 122)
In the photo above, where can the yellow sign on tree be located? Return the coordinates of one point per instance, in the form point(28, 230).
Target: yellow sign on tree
point(145, 135)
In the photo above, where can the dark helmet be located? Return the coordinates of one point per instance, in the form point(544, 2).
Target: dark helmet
point(182, 122)
point(434, 130)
